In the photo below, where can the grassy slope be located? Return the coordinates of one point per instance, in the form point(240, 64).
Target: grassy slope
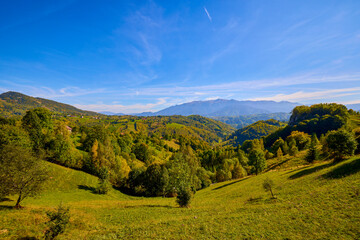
point(313, 202)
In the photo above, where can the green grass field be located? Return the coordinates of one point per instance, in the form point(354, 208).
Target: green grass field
point(320, 201)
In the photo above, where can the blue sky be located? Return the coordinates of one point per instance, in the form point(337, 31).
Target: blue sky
point(135, 56)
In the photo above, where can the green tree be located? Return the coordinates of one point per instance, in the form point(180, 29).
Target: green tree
point(277, 144)
point(268, 185)
point(39, 125)
point(103, 181)
point(293, 149)
point(313, 151)
point(302, 139)
point(257, 160)
point(279, 154)
point(20, 173)
point(141, 151)
point(156, 180)
point(342, 143)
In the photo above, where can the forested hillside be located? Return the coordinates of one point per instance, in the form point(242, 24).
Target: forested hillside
point(245, 120)
point(255, 131)
point(166, 155)
point(14, 103)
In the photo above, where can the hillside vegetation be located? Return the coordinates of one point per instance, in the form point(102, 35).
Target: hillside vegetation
point(14, 103)
point(314, 202)
point(255, 131)
point(123, 173)
point(245, 120)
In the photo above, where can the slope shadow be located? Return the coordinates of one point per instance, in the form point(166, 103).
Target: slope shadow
point(6, 207)
point(5, 199)
point(344, 170)
point(311, 170)
point(87, 188)
point(275, 165)
point(225, 185)
point(152, 206)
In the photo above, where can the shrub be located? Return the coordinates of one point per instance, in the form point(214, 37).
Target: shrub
point(183, 197)
point(341, 143)
point(58, 222)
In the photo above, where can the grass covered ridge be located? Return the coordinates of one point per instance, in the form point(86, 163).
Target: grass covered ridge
point(320, 201)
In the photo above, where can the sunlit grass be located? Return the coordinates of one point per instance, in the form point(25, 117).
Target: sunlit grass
point(313, 202)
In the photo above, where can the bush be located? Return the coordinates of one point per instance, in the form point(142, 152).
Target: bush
point(183, 197)
point(103, 186)
point(341, 143)
point(58, 222)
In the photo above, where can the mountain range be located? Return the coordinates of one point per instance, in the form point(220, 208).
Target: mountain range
point(14, 103)
point(223, 107)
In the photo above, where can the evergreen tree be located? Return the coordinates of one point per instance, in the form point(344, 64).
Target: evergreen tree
point(293, 150)
point(257, 160)
point(279, 154)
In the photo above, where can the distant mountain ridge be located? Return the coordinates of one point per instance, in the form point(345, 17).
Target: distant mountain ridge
point(222, 107)
point(14, 103)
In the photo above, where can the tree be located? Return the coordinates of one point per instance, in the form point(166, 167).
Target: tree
point(279, 143)
point(302, 139)
point(279, 154)
point(268, 185)
point(141, 151)
point(341, 143)
point(39, 126)
point(103, 182)
point(313, 152)
point(156, 180)
point(293, 150)
point(257, 160)
point(20, 173)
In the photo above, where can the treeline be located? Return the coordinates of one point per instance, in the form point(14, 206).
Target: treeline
point(156, 156)
point(239, 122)
point(153, 158)
point(254, 131)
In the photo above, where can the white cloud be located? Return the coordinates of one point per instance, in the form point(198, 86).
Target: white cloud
point(127, 109)
point(208, 14)
point(246, 86)
point(305, 96)
point(212, 98)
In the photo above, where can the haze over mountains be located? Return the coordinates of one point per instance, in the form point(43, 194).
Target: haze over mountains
point(17, 103)
point(223, 107)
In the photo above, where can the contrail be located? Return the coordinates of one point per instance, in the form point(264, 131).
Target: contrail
point(207, 13)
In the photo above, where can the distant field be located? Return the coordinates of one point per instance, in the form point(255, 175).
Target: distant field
point(313, 202)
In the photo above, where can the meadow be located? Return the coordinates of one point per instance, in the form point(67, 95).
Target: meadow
point(319, 201)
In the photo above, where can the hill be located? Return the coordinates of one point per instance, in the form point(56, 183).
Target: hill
point(255, 131)
point(320, 201)
point(222, 107)
point(194, 126)
point(245, 120)
point(14, 103)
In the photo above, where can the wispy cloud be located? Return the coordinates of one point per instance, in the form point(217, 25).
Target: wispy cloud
point(47, 92)
point(245, 86)
point(127, 109)
point(315, 95)
point(208, 14)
